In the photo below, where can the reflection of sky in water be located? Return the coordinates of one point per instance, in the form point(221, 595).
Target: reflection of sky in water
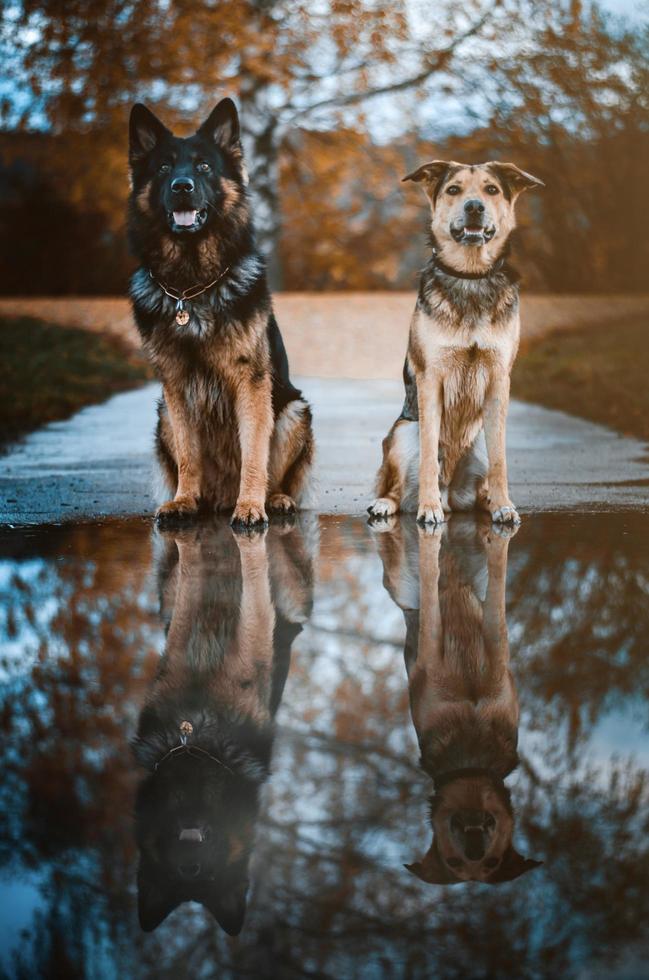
point(346, 805)
point(20, 899)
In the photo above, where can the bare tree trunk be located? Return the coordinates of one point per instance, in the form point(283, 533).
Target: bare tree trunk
point(261, 138)
point(261, 143)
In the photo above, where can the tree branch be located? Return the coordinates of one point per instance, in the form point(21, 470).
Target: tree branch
point(432, 64)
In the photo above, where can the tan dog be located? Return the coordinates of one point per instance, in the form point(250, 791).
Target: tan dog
point(463, 341)
point(462, 694)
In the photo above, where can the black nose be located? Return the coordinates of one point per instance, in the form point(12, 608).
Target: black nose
point(474, 206)
point(180, 184)
point(189, 870)
point(474, 845)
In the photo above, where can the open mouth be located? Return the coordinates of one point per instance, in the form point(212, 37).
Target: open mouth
point(190, 220)
point(473, 234)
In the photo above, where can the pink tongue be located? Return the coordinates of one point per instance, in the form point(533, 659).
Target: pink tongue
point(184, 217)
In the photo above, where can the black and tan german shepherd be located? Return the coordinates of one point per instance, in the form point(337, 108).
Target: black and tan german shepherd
point(234, 605)
point(233, 432)
point(463, 697)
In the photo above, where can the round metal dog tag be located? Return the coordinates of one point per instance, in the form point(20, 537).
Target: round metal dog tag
point(182, 316)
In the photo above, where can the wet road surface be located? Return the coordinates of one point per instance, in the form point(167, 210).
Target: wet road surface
point(327, 751)
point(100, 463)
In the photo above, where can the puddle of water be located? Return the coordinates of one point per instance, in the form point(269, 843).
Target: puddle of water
point(408, 754)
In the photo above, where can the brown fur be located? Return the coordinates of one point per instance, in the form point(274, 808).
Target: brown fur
point(462, 694)
point(462, 345)
point(233, 432)
point(234, 604)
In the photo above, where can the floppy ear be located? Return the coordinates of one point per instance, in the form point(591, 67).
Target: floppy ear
point(222, 124)
point(145, 130)
point(513, 865)
point(155, 900)
point(513, 177)
point(432, 869)
point(433, 173)
point(229, 908)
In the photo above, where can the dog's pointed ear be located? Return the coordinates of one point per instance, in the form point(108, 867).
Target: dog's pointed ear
point(156, 899)
point(513, 865)
point(432, 173)
point(229, 907)
point(222, 124)
point(432, 869)
point(514, 179)
point(145, 131)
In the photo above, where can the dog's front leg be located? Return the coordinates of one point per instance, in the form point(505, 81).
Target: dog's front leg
point(186, 603)
point(495, 425)
point(424, 673)
point(496, 543)
point(429, 401)
point(250, 670)
point(253, 406)
point(495, 617)
point(188, 460)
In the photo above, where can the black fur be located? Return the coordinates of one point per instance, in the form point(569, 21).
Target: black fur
point(222, 246)
point(220, 795)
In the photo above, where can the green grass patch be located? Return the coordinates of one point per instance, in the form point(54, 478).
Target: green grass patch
point(599, 374)
point(49, 372)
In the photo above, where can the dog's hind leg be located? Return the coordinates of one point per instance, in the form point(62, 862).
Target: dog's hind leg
point(396, 484)
point(291, 458)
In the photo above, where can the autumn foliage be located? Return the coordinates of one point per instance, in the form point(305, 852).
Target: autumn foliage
point(338, 101)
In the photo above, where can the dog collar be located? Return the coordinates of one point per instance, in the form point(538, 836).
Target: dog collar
point(182, 295)
point(467, 773)
point(456, 274)
point(185, 730)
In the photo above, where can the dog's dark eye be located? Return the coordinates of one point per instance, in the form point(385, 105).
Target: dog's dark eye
point(203, 167)
point(164, 168)
point(453, 189)
point(492, 189)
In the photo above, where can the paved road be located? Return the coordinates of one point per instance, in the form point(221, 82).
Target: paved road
point(99, 463)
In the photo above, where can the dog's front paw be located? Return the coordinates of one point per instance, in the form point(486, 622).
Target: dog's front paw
point(280, 503)
point(383, 507)
point(248, 514)
point(431, 513)
point(177, 511)
point(505, 514)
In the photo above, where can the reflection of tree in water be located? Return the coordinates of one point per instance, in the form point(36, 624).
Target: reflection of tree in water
point(85, 629)
point(580, 617)
point(346, 804)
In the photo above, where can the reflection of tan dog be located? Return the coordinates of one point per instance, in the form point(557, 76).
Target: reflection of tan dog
point(462, 694)
point(206, 731)
point(463, 341)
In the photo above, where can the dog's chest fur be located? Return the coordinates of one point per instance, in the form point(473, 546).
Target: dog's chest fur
point(225, 337)
point(462, 331)
point(468, 317)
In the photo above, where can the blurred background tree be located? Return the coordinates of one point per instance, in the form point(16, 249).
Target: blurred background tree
point(337, 99)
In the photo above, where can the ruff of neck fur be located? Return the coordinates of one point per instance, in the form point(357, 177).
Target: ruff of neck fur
point(447, 270)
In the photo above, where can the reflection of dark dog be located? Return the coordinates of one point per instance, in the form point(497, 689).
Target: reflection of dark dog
point(206, 731)
point(462, 694)
point(233, 432)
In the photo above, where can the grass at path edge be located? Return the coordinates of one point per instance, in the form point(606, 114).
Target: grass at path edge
point(49, 372)
point(599, 373)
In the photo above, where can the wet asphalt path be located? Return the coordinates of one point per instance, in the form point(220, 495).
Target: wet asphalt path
point(100, 462)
